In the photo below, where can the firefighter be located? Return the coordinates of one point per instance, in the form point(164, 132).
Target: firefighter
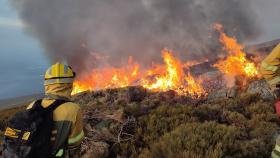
point(67, 132)
point(270, 69)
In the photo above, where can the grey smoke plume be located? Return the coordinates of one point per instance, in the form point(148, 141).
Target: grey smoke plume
point(75, 30)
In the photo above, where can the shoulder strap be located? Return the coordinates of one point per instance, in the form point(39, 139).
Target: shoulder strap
point(37, 103)
point(38, 106)
point(54, 105)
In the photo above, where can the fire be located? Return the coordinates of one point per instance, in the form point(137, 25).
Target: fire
point(170, 76)
point(174, 78)
point(236, 63)
point(108, 77)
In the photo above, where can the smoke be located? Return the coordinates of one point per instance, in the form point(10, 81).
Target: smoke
point(80, 30)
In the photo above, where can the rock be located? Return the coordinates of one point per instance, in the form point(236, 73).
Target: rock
point(168, 95)
point(213, 81)
point(136, 94)
point(232, 92)
point(223, 93)
point(259, 87)
point(262, 88)
point(95, 150)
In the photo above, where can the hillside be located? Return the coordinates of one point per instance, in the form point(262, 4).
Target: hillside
point(136, 123)
point(18, 101)
point(133, 122)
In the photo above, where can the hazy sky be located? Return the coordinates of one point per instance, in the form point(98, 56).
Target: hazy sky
point(22, 61)
point(268, 12)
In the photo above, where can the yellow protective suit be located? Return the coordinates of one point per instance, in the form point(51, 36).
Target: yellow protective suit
point(270, 68)
point(67, 133)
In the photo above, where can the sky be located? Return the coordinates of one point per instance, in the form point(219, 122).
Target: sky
point(23, 62)
point(268, 13)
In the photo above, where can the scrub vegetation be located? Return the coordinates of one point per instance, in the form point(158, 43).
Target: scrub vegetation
point(132, 122)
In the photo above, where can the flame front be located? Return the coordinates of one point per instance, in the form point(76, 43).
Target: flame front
point(174, 78)
point(170, 76)
point(108, 77)
point(169, 79)
point(236, 63)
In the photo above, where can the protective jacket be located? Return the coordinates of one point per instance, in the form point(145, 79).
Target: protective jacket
point(270, 68)
point(67, 133)
point(276, 151)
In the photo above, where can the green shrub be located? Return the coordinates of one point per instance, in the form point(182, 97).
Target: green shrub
point(238, 128)
point(195, 140)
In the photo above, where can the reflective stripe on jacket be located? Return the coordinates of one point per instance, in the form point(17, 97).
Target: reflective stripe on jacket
point(276, 152)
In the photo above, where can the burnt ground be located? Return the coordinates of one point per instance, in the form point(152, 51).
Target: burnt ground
point(134, 122)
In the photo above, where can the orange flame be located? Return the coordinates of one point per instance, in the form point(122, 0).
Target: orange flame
point(174, 78)
point(170, 76)
point(108, 77)
point(236, 63)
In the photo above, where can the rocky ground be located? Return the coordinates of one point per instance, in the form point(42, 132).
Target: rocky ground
point(133, 122)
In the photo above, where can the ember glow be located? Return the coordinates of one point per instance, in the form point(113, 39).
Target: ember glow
point(235, 63)
point(171, 75)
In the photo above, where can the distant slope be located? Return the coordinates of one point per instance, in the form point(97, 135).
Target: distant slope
point(263, 48)
point(18, 101)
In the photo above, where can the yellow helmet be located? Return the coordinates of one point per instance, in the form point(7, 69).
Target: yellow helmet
point(59, 73)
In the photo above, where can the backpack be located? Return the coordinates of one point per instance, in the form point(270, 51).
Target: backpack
point(28, 134)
